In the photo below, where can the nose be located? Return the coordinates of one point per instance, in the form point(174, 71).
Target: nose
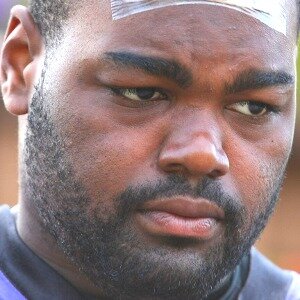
point(195, 151)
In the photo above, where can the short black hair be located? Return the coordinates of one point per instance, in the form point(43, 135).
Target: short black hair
point(50, 16)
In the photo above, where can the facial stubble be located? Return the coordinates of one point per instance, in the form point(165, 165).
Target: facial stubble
point(109, 250)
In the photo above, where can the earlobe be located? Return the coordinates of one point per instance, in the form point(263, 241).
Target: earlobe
point(21, 59)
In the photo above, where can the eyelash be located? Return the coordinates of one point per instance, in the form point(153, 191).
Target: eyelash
point(270, 108)
point(119, 91)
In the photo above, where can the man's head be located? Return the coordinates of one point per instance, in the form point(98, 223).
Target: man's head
point(155, 145)
point(51, 15)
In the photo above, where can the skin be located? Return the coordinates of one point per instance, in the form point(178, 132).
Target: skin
point(108, 143)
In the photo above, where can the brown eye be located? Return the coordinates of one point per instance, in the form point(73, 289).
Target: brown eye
point(250, 108)
point(141, 94)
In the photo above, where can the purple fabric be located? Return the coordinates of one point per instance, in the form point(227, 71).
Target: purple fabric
point(7, 290)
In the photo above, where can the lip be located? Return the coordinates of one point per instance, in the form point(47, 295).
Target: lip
point(181, 217)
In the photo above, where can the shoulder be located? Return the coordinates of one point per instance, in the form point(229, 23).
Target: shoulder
point(7, 289)
point(6, 220)
point(7, 232)
point(5, 210)
point(268, 281)
point(5, 216)
point(294, 291)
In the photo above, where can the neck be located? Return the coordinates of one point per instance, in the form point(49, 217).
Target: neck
point(31, 230)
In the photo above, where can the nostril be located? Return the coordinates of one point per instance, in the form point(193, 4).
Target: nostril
point(216, 173)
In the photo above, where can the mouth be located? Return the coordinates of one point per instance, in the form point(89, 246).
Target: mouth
point(181, 217)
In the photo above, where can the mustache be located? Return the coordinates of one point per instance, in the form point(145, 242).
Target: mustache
point(176, 185)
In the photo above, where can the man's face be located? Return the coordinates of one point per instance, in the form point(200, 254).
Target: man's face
point(157, 144)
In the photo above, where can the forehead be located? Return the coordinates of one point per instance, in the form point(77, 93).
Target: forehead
point(197, 31)
point(272, 15)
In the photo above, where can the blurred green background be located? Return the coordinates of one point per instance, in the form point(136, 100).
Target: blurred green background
point(281, 239)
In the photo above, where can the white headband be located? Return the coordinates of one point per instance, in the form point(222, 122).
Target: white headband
point(269, 12)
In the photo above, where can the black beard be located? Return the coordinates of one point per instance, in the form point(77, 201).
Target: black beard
point(106, 249)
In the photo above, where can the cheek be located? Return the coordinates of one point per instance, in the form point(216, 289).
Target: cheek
point(106, 152)
point(106, 156)
point(257, 167)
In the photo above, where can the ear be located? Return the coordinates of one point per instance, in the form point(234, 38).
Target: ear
point(21, 60)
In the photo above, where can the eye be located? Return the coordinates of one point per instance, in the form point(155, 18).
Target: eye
point(251, 108)
point(140, 94)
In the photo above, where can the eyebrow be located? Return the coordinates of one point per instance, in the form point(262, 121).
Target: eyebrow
point(169, 69)
point(257, 79)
